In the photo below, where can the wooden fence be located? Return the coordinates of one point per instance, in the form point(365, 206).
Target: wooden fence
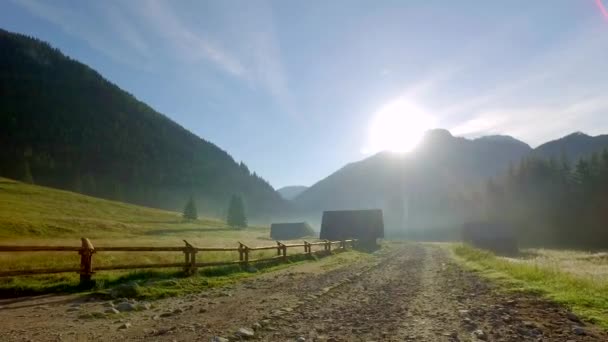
point(190, 264)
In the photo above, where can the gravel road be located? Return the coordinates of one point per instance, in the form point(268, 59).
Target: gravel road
point(407, 292)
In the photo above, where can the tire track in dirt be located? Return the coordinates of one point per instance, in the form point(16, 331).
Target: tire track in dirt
point(406, 292)
point(418, 293)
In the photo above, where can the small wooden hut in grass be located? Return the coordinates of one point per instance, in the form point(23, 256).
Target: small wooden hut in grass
point(290, 231)
point(367, 226)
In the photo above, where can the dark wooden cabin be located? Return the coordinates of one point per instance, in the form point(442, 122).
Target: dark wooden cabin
point(364, 225)
point(494, 236)
point(289, 231)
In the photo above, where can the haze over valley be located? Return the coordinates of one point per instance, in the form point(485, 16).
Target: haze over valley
point(303, 171)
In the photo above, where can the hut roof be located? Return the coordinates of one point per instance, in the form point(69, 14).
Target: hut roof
point(290, 230)
point(346, 224)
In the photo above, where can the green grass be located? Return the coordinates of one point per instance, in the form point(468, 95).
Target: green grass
point(35, 215)
point(155, 284)
point(35, 211)
point(586, 296)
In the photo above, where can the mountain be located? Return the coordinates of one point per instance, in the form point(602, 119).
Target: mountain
point(291, 192)
point(575, 146)
point(63, 125)
point(421, 183)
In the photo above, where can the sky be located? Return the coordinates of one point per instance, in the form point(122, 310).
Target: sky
point(297, 89)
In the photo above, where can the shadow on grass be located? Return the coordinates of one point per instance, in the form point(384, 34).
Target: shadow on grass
point(147, 279)
point(186, 230)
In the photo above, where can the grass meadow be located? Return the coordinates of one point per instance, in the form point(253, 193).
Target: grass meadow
point(34, 215)
point(578, 280)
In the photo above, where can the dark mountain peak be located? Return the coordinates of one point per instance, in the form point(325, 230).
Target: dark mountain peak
point(438, 133)
point(502, 139)
point(575, 146)
point(576, 135)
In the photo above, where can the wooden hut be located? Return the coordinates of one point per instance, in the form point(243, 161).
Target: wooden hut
point(365, 225)
point(289, 231)
point(494, 236)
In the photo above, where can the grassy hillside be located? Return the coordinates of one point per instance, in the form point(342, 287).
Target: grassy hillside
point(35, 215)
point(40, 212)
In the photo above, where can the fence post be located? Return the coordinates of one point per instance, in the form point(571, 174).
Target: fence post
point(190, 255)
point(278, 248)
point(86, 261)
point(284, 252)
point(241, 250)
point(328, 246)
point(306, 246)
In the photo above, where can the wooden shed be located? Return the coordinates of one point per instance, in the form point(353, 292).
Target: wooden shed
point(364, 225)
point(289, 231)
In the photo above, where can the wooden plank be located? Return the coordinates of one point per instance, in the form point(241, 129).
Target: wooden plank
point(38, 271)
point(140, 249)
point(129, 267)
point(317, 243)
point(39, 249)
point(262, 248)
point(217, 249)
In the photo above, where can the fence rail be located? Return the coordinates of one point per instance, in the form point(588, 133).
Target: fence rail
point(190, 264)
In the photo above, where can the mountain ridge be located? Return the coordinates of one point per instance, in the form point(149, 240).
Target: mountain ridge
point(291, 191)
point(440, 167)
point(63, 125)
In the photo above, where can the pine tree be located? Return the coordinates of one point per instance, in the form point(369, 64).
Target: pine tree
point(190, 210)
point(236, 212)
point(27, 173)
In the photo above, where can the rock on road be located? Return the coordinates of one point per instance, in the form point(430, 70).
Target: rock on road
point(408, 292)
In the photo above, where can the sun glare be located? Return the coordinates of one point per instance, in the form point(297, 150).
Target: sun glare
point(398, 126)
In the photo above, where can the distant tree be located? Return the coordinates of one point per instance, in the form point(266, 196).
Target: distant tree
point(27, 173)
point(190, 210)
point(236, 212)
point(582, 172)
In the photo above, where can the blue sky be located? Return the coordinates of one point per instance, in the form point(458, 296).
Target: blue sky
point(292, 87)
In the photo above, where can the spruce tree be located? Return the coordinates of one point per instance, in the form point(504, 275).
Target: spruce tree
point(190, 210)
point(27, 173)
point(236, 212)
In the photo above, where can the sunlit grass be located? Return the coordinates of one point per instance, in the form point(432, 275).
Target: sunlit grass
point(550, 276)
point(34, 215)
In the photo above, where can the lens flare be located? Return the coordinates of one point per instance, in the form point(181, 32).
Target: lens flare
point(602, 8)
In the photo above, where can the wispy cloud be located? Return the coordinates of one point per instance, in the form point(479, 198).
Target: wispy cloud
point(536, 125)
point(188, 44)
point(144, 34)
point(552, 93)
point(95, 31)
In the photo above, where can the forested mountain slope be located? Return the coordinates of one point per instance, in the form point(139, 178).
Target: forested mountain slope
point(420, 189)
point(441, 161)
point(574, 146)
point(63, 125)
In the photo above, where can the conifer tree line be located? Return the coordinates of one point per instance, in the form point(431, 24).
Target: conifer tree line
point(236, 217)
point(554, 202)
point(190, 212)
point(236, 212)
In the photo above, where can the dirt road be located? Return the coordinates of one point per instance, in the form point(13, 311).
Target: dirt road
point(409, 292)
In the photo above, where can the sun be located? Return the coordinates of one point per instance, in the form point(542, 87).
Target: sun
point(398, 126)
